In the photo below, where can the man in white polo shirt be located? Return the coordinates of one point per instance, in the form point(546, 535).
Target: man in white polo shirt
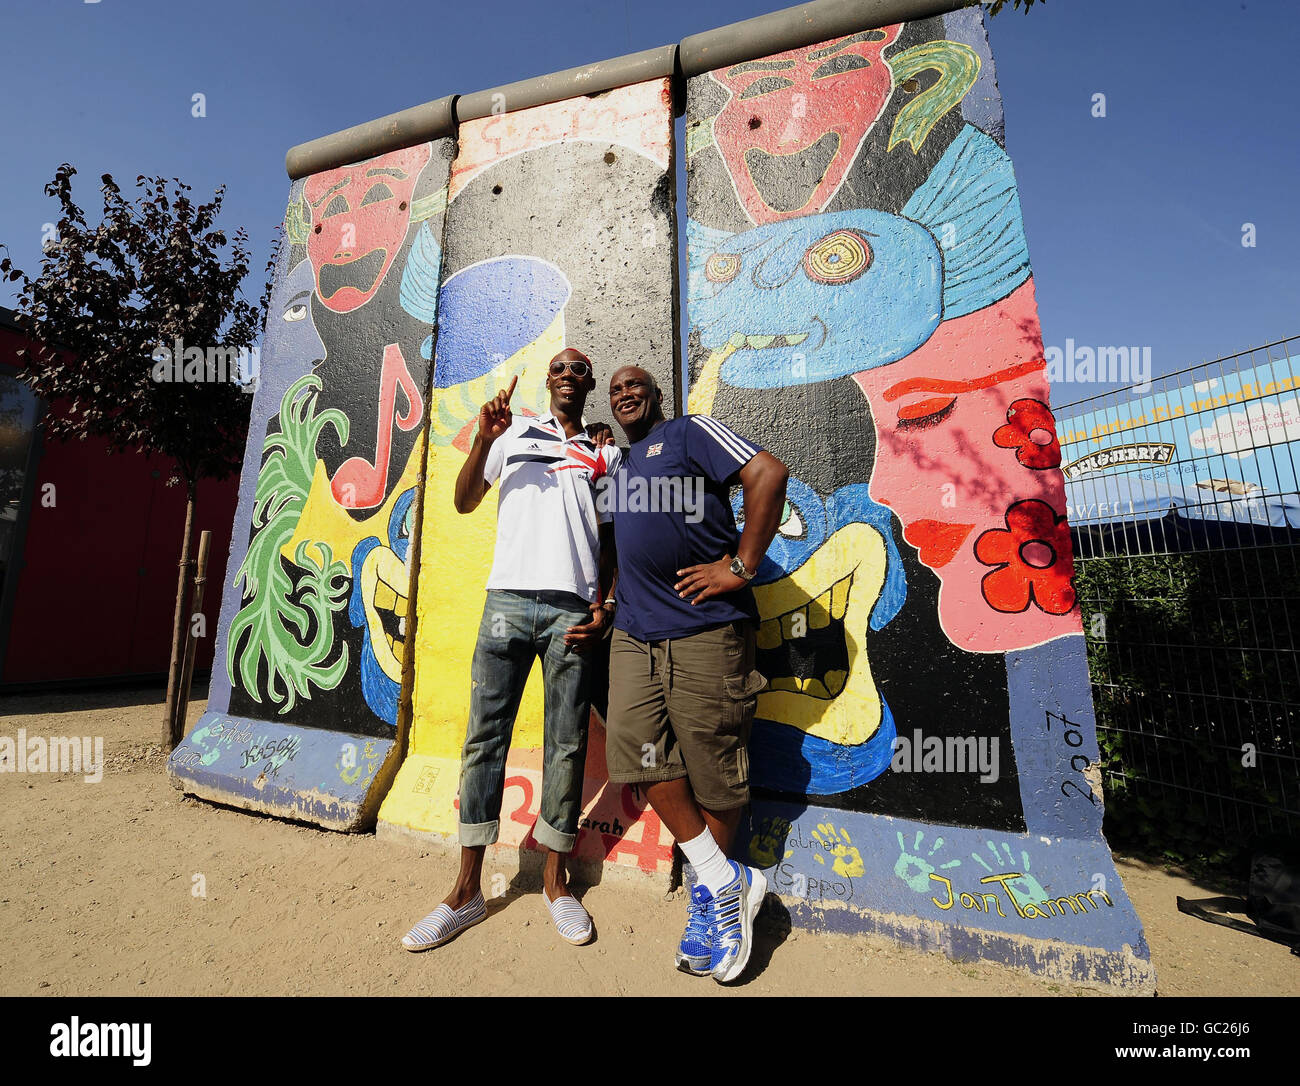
point(545, 599)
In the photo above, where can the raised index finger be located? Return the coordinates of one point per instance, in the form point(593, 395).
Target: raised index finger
point(511, 390)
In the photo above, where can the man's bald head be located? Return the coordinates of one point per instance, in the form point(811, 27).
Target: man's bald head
point(644, 374)
point(636, 401)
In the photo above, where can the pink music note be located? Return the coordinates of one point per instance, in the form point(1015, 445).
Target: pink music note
point(359, 484)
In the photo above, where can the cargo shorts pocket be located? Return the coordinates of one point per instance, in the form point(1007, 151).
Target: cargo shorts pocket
point(739, 703)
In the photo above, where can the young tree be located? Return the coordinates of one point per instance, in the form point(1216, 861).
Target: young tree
point(112, 305)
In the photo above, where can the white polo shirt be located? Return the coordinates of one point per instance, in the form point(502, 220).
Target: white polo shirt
point(547, 535)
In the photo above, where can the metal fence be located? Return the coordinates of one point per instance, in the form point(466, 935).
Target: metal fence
point(1187, 608)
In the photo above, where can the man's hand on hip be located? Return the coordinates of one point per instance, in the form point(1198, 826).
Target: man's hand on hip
point(699, 583)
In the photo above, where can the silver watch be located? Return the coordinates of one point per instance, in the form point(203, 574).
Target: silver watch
point(738, 568)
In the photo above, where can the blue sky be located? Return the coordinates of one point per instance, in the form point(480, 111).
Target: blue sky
point(1134, 220)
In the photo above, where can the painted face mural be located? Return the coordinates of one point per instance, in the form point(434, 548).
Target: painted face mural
point(968, 462)
point(342, 451)
point(358, 220)
point(828, 295)
point(832, 573)
point(814, 298)
point(788, 117)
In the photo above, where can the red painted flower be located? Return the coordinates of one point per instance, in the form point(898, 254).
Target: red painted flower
point(1034, 559)
point(1031, 430)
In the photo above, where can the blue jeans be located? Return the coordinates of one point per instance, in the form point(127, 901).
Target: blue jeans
point(516, 628)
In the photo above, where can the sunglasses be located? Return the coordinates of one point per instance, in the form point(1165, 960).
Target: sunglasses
point(575, 366)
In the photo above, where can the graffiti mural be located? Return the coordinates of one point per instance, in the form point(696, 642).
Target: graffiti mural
point(313, 619)
point(861, 303)
point(560, 231)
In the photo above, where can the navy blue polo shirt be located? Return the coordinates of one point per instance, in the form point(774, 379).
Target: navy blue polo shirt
point(672, 509)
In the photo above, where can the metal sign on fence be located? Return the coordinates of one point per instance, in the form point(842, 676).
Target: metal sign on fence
point(1219, 442)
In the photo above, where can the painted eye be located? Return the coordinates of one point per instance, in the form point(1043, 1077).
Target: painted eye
point(845, 62)
point(336, 206)
point(923, 414)
point(377, 193)
point(766, 85)
point(791, 525)
point(722, 267)
point(839, 257)
point(295, 312)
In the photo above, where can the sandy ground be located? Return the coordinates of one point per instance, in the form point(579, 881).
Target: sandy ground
point(97, 898)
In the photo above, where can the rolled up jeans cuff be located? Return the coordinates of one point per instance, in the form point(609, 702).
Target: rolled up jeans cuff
point(546, 834)
point(480, 833)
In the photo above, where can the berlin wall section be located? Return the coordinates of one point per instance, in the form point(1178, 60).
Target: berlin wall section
point(303, 711)
point(561, 231)
point(861, 304)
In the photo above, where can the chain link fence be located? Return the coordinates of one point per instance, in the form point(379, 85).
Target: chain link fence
point(1186, 527)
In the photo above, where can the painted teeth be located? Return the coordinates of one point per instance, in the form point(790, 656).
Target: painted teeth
point(831, 604)
point(840, 598)
point(401, 625)
point(817, 615)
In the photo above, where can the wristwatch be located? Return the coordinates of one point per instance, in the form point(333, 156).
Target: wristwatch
point(738, 568)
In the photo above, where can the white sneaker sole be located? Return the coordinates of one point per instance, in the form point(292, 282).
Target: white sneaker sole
point(753, 902)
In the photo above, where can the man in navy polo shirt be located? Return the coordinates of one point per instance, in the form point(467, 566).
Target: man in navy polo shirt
point(683, 687)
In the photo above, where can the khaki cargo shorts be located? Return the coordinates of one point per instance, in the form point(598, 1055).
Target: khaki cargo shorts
point(684, 707)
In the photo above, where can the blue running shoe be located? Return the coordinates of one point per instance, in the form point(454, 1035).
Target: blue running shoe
point(695, 951)
point(734, 909)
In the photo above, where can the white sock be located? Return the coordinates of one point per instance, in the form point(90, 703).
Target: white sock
point(711, 866)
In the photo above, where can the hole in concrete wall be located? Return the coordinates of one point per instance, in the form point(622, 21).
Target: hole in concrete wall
point(496, 190)
point(909, 85)
point(609, 158)
point(755, 122)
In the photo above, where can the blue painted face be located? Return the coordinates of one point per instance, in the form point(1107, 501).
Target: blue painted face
point(292, 345)
point(809, 520)
point(814, 298)
point(380, 681)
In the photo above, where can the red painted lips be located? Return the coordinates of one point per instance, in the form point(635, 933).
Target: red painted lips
point(935, 540)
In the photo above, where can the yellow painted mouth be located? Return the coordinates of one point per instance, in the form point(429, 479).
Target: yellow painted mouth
point(384, 586)
point(812, 640)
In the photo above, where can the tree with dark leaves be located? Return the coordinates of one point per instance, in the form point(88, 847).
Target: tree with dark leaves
point(143, 339)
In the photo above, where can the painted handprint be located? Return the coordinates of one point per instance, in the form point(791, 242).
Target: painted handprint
point(916, 870)
point(1026, 887)
point(847, 860)
point(768, 843)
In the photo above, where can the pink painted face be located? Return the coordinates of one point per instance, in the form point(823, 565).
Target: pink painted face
point(359, 217)
point(809, 108)
point(968, 458)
